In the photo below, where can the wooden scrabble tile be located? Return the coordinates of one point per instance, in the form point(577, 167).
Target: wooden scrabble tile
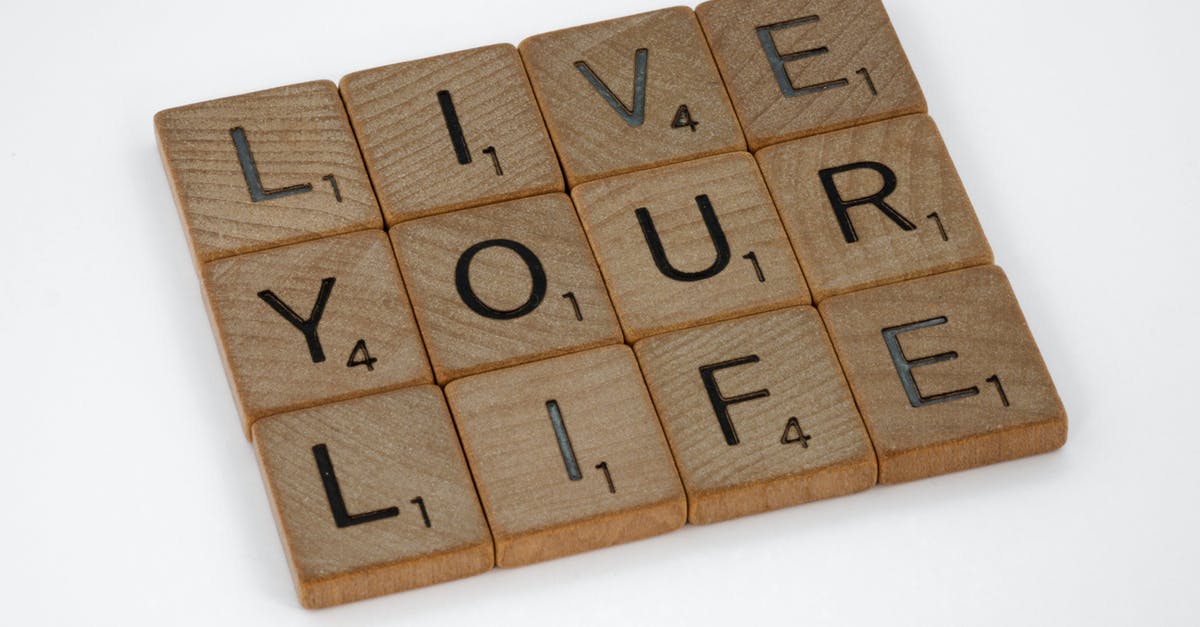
point(690, 243)
point(504, 284)
point(264, 169)
point(567, 454)
point(757, 414)
point(312, 323)
point(873, 204)
point(631, 93)
point(946, 374)
point(372, 496)
point(449, 132)
point(800, 67)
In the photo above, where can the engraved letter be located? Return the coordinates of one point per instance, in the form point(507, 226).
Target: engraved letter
point(779, 61)
point(637, 115)
point(715, 232)
point(841, 207)
point(904, 366)
point(462, 280)
point(720, 403)
point(250, 171)
point(307, 327)
point(341, 517)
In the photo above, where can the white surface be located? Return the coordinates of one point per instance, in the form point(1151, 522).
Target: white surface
point(131, 498)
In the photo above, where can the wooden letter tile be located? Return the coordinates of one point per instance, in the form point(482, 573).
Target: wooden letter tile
point(801, 67)
point(631, 93)
point(372, 496)
point(946, 374)
point(757, 414)
point(874, 204)
point(504, 284)
point(264, 169)
point(312, 323)
point(690, 243)
point(449, 132)
point(568, 455)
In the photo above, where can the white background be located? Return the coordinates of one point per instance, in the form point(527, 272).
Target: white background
point(129, 496)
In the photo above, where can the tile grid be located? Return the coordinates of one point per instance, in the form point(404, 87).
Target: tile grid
point(658, 340)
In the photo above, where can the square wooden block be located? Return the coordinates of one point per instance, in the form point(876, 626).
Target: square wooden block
point(946, 374)
point(264, 169)
point(874, 204)
point(757, 413)
point(313, 323)
point(372, 496)
point(801, 67)
point(690, 243)
point(568, 455)
point(504, 284)
point(631, 93)
point(449, 132)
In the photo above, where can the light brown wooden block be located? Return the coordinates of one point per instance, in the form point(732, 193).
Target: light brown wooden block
point(372, 496)
point(623, 95)
point(873, 205)
point(345, 292)
point(567, 454)
point(504, 284)
point(946, 374)
point(757, 414)
point(676, 270)
point(264, 169)
point(449, 132)
point(800, 67)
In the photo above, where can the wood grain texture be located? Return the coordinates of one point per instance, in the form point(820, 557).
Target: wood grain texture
point(945, 233)
point(386, 451)
point(536, 511)
point(997, 401)
point(774, 461)
point(270, 363)
point(649, 301)
point(855, 73)
point(591, 136)
point(407, 142)
point(296, 135)
point(460, 340)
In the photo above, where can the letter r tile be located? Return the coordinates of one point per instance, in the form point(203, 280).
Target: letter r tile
point(372, 496)
point(265, 169)
point(314, 322)
point(449, 132)
point(873, 204)
point(801, 67)
point(946, 373)
point(631, 93)
point(757, 413)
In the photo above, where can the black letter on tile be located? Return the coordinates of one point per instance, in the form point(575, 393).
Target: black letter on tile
point(462, 280)
point(637, 115)
point(841, 207)
point(779, 61)
point(461, 150)
point(720, 403)
point(904, 366)
point(250, 171)
point(307, 327)
point(715, 232)
point(333, 492)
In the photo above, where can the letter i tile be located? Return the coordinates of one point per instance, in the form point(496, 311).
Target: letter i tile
point(946, 373)
point(568, 455)
point(372, 496)
point(313, 323)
